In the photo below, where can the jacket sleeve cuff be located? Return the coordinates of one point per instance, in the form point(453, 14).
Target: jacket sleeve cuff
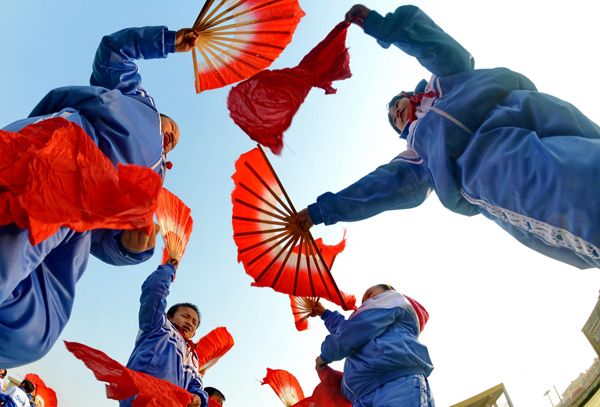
point(324, 359)
point(315, 214)
point(372, 23)
point(170, 37)
point(326, 314)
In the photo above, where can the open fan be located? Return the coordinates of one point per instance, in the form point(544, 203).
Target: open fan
point(211, 347)
point(240, 38)
point(275, 251)
point(44, 396)
point(302, 308)
point(175, 224)
point(285, 385)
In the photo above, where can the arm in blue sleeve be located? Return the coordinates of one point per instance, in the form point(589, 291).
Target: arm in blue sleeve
point(153, 301)
point(411, 30)
point(107, 247)
point(114, 66)
point(397, 185)
point(332, 320)
point(355, 332)
point(196, 387)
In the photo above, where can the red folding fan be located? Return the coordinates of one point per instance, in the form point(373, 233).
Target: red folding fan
point(275, 251)
point(44, 396)
point(211, 347)
point(285, 385)
point(175, 224)
point(238, 39)
point(302, 308)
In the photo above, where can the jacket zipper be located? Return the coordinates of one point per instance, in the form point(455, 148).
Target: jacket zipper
point(349, 389)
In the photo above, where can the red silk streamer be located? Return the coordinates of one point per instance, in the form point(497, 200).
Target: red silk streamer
point(53, 175)
point(328, 393)
point(124, 383)
point(264, 105)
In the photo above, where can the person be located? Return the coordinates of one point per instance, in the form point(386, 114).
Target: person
point(486, 141)
point(385, 365)
point(18, 396)
point(37, 283)
point(163, 347)
point(3, 374)
point(215, 395)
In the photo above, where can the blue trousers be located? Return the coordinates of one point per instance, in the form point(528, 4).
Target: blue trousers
point(407, 391)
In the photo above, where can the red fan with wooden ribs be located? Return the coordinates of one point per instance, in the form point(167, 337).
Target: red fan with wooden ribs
point(285, 385)
point(43, 396)
point(240, 38)
point(302, 308)
point(175, 224)
point(212, 347)
point(275, 251)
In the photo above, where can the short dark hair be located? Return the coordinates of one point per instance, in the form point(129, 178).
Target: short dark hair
point(212, 391)
point(3, 375)
point(166, 117)
point(171, 312)
point(27, 386)
point(386, 287)
point(399, 96)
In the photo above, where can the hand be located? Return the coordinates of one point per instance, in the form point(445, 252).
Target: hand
point(173, 262)
point(320, 365)
point(318, 309)
point(139, 241)
point(195, 402)
point(358, 14)
point(303, 221)
point(186, 40)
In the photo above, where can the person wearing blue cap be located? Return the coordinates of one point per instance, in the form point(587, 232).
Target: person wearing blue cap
point(486, 141)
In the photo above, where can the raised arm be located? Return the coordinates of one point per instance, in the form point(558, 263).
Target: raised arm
point(411, 30)
point(354, 333)
point(397, 185)
point(114, 66)
point(107, 246)
point(153, 301)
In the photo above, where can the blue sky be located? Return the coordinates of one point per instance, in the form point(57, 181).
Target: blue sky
point(499, 312)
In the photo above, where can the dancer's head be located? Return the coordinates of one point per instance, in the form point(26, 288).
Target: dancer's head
point(376, 290)
point(186, 317)
point(170, 131)
point(399, 111)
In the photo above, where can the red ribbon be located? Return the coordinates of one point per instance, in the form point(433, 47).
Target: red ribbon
point(414, 102)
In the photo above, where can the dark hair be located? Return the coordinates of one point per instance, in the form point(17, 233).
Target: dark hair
point(211, 391)
point(385, 287)
point(165, 116)
point(3, 375)
point(171, 312)
point(27, 386)
point(399, 96)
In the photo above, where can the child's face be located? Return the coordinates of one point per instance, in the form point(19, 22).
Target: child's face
point(400, 113)
point(186, 319)
point(372, 292)
point(170, 133)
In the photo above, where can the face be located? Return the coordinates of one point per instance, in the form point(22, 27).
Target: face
point(170, 133)
point(186, 319)
point(400, 112)
point(217, 398)
point(2, 372)
point(372, 292)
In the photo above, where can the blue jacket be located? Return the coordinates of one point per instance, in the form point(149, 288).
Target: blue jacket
point(488, 142)
point(15, 397)
point(379, 344)
point(37, 284)
point(429, 163)
point(160, 350)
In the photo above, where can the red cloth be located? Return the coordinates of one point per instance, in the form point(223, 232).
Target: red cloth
point(42, 392)
point(52, 175)
point(328, 393)
point(124, 383)
point(264, 105)
point(422, 313)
